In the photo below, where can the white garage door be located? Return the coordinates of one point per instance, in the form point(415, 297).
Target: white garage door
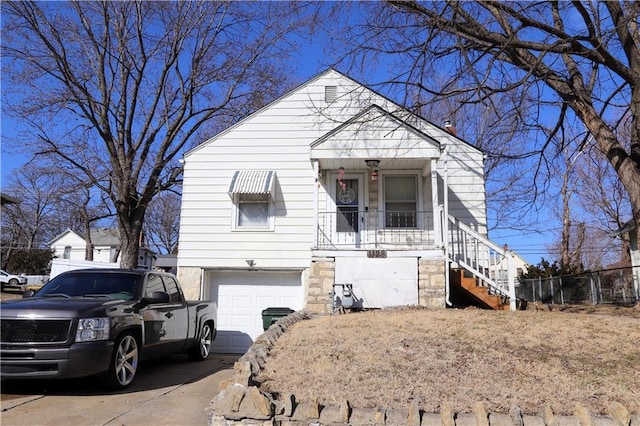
point(242, 296)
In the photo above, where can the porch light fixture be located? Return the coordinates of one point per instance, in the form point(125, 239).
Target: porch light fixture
point(372, 164)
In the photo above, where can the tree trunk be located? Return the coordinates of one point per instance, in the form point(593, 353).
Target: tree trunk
point(130, 222)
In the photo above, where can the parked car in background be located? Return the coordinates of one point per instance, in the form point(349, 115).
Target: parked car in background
point(101, 322)
point(12, 281)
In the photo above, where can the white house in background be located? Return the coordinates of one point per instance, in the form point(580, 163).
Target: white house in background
point(332, 196)
point(500, 272)
point(70, 245)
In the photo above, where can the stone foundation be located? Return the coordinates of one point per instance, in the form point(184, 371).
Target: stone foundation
point(320, 285)
point(431, 285)
point(190, 281)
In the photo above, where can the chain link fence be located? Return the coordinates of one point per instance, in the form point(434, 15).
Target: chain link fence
point(616, 286)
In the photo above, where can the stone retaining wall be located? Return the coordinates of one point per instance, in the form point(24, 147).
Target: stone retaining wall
point(241, 402)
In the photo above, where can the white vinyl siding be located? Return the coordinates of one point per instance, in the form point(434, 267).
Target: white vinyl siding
point(279, 138)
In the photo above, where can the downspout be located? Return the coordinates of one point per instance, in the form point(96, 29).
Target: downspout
point(512, 281)
point(445, 225)
point(201, 295)
point(316, 180)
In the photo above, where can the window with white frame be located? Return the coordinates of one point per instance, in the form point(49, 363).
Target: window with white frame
point(67, 252)
point(400, 201)
point(253, 211)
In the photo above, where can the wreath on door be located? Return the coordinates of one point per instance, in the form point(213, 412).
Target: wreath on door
point(346, 195)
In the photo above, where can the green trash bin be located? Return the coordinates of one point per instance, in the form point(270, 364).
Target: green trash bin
point(271, 315)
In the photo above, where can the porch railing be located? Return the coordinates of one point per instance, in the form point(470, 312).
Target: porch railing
point(487, 261)
point(371, 229)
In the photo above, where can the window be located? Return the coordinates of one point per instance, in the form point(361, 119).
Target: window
point(172, 289)
point(400, 201)
point(347, 205)
point(252, 192)
point(67, 252)
point(253, 211)
point(154, 283)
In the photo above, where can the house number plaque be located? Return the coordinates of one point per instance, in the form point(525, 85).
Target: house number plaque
point(377, 253)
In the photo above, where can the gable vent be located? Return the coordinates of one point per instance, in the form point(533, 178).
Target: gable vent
point(330, 93)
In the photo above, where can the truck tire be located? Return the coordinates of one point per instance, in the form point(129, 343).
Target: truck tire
point(201, 351)
point(124, 362)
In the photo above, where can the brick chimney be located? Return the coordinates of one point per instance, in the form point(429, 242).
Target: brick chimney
point(449, 128)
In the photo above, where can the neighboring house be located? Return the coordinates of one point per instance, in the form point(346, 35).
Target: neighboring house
point(166, 263)
point(500, 272)
point(8, 199)
point(332, 196)
point(71, 245)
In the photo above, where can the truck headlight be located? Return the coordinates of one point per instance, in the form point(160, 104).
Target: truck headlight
point(92, 329)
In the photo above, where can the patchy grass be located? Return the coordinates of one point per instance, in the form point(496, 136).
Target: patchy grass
point(390, 358)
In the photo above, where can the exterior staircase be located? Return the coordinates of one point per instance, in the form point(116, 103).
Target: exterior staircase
point(466, 290)
point(481, 272)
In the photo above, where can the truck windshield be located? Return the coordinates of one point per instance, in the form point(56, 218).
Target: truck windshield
point(78, 284)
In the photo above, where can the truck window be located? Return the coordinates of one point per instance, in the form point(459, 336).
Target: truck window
point(154, 283)
point(172, 289)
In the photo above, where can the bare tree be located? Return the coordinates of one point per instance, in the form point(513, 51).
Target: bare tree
point(162, 224)
point(557, 60)
point(86, 206)
point(31, 223)
point(135, 81)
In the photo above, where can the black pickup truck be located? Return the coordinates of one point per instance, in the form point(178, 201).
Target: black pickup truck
point(101, 321)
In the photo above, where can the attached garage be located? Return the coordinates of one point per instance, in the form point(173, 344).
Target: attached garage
point(242, 296)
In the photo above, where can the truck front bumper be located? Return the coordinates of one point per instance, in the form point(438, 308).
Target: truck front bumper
point(78, 360)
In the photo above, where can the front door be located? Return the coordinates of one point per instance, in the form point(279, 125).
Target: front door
point(347, 201)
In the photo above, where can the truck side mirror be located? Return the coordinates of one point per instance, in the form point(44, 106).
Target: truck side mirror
point(156, 298)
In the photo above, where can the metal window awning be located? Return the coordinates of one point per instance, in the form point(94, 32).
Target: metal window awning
point(252, 182)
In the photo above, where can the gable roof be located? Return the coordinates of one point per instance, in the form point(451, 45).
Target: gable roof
point(267, 106)
point(375, 132)
point(311, 81)
point(105, 237)
point(68, 231)
point(102, 237)
point(166, 261)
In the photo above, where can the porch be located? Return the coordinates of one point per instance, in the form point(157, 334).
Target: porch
point(382, 191)
point(375, 229)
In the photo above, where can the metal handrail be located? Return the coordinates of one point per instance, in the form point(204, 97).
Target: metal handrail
point(348, 229)
point(486, 260)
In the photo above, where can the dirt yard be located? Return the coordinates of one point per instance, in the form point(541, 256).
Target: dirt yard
point(388, 358)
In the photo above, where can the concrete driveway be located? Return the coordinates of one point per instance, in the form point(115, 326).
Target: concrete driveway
point(170, 391)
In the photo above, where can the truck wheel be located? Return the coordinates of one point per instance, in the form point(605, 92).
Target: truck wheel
point(124, 362)
point(201, 351)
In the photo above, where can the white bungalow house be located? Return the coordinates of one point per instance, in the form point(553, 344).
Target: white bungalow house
point(72, 246)
point(499, 271)
point(334, 196)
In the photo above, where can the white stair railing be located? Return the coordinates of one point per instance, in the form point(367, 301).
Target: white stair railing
point(487, 261)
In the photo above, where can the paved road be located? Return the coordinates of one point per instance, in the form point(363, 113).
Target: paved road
point(171, 391)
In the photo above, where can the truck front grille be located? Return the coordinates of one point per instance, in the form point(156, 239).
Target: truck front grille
point(35, 331)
